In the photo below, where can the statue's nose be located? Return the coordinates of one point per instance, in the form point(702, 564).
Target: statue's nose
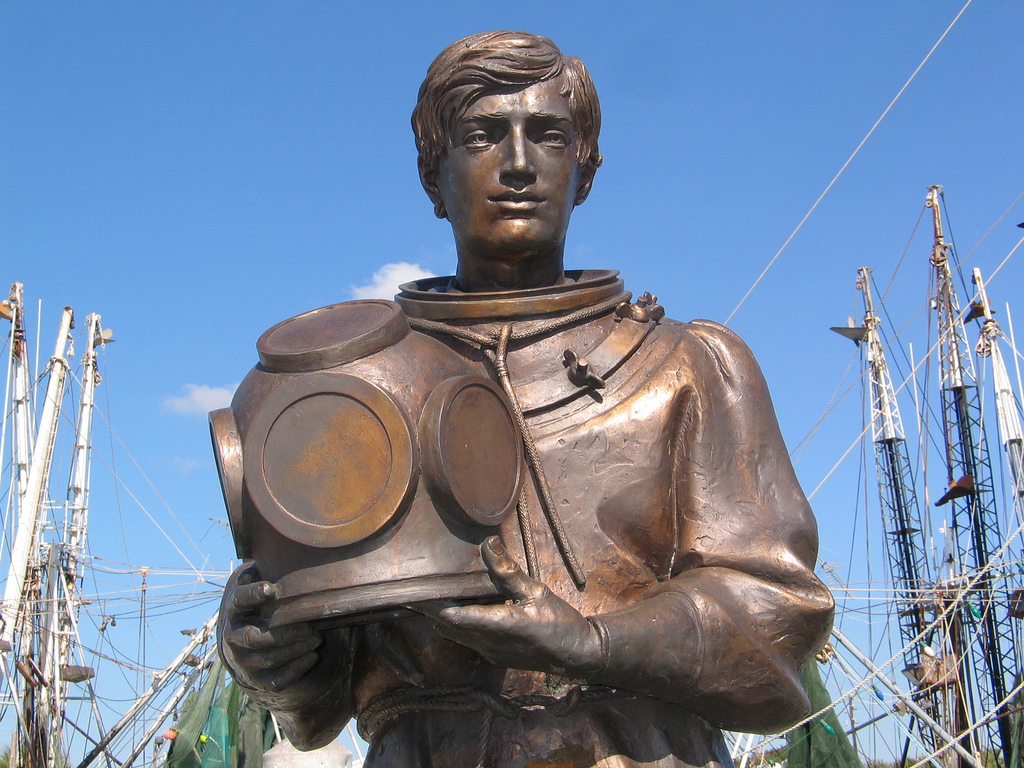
point(518, 166)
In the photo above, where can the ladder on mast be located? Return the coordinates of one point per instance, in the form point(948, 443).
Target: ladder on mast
point(901, 513)
point(990, 659)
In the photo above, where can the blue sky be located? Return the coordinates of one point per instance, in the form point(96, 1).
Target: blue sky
point(196, 172)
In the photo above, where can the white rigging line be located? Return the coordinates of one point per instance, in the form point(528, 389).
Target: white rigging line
point(989, 232)
point(137, 500)
point(875, 701)
point(848, 161)
point(958, 597)
point(864, 431)
point(114, 433)
point(913, 372)
point(805, 442)
point(974, 726)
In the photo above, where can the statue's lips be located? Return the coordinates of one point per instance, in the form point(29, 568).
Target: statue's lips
point(517, 202)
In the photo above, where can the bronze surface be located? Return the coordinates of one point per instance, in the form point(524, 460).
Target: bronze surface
point(330, 459)
point(472, 449)
point(429, 298)
point(332, 335)
point(656, 583)
point(227, 452)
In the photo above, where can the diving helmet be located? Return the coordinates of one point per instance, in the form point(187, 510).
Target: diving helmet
point(363, 463)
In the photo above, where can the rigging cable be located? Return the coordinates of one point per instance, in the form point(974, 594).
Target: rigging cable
point(113, 466)
point(989, 232)
point(927, 409)
point(985, 719)
point(961, 596)
point(833, 403)
point(867, 508)
point(903, 255)
point(119, 482)
point(849, 160)
point(156, 491)
point(910, 375)
point(1013, 345)
point(804, 444)
point(152, 519)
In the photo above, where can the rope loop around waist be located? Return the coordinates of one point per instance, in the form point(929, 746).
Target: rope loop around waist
point(388, 705)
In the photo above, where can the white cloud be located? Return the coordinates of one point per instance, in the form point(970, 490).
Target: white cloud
point(386, 280)
point(199, 398)
point(187, 465)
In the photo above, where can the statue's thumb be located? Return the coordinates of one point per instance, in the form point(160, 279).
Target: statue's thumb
point(506, 571)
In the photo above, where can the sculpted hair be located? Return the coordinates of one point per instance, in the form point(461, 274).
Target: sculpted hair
point(500, 62)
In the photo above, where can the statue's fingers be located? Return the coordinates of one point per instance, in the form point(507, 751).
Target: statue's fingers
point(255, 638)
point(432, 608)
point(284, 677)
point(248, 598)
point(279, 656)
point(472, 619)
point(511, 579)
point(247, 575)
point(291, 633)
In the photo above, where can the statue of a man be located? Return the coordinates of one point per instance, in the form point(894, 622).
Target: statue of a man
point(659, 575)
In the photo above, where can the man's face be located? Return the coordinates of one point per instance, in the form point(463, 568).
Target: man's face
point(510, 180)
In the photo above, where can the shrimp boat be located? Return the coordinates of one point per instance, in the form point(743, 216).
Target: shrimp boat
point(924, 668)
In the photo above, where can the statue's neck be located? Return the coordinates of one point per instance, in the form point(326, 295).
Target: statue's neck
point(509, 274)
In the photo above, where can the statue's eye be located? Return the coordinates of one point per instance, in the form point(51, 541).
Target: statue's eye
point(476, 139)
point(555, 139)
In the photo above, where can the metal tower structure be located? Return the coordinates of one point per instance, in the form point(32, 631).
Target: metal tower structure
point(40, 606)
point(900, 511)
point(1011, 435)
point(981, 633)
point(901, 514)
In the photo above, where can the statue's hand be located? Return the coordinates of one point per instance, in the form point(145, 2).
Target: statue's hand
point(261, 658)
point(535, 630)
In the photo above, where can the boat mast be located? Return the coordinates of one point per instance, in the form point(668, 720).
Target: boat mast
point(901, 514)
point(976, 528)
point(900, 510)
point(21, 589)
point(1007, 407)
point(21, 407)
point(61, 603)
point(1011, 435)
point(38, 472)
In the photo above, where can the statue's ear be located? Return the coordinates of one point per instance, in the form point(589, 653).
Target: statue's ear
point(586, 182)
point(428, 178)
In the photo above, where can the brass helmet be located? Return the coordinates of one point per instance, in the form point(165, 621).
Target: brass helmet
point(363, 463)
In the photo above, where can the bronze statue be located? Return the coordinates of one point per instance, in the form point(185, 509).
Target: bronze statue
point(524, 521)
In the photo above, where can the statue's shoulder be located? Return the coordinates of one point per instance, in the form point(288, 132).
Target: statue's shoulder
point(699, 331)
point(705, 340)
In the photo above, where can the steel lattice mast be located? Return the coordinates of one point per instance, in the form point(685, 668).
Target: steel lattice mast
point(1011, 435)
point(1008, 417)
point(901, 513)
point(982, 631)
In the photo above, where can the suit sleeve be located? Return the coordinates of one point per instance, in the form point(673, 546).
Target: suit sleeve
point(727, 635)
